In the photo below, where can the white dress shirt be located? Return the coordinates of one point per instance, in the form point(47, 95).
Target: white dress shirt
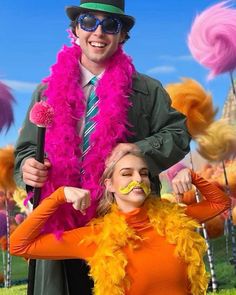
point(86, 77)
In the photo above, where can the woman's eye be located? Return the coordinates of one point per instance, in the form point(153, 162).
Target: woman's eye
point(144, 174)
point(126, 174)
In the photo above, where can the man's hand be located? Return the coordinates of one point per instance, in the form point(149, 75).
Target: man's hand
point(35, 173)
point(182, 182)
point(120, 150)
point(80, 198)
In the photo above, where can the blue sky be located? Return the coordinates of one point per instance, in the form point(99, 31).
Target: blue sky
point(32, 32)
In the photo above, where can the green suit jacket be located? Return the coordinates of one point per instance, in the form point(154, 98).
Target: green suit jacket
point(158, 130)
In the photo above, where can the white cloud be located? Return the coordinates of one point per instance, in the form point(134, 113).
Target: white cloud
point(176, 58)
point(162, 70)
point(20, 86)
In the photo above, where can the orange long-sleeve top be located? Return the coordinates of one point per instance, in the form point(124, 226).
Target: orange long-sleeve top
point(153, 268)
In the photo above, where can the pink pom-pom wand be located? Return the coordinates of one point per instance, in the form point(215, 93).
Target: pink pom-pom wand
point(42, 116)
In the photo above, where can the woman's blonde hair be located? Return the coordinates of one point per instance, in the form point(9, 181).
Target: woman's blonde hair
point(107, 198)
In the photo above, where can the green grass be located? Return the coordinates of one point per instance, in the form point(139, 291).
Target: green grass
point(21, 290)
point(19, 268)
point(225, 272)
point(223, 292)
point(225, 275)
point(15, 290)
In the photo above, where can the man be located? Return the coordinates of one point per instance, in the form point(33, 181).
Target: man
point(129, 111)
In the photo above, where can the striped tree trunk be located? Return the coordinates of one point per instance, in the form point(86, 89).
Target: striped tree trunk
point(7, 279)
point(226, 234)
point(210, 256)
point(4, 266)
point(231, 227)
point(209, 251)
point(231, 235)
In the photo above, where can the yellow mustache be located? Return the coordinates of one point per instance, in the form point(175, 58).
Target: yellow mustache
point(132, 185)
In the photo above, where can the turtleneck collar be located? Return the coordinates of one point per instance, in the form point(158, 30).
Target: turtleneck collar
point(137, 218)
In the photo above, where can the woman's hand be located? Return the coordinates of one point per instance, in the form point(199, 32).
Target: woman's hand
point(80, 198)
point(182, 182)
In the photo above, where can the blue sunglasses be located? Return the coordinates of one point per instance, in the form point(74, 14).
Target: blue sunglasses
point(89, 23)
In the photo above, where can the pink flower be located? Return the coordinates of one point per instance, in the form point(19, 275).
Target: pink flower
point(212, 40)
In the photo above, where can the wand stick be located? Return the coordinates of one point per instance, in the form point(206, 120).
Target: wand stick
point(41, 115)
point(40, 158)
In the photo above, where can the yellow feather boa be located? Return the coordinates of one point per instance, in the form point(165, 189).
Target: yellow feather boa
point(108, 265)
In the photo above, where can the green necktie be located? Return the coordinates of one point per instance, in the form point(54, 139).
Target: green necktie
point(92, 109)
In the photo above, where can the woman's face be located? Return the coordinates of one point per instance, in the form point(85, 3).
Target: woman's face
point(129, 178)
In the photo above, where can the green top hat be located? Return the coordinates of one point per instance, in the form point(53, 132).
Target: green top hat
point(116, 7)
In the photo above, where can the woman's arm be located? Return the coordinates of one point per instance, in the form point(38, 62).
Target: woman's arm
point(27, 241)
point(215, 202)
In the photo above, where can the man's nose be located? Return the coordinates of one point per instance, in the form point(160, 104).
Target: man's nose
point(98, 30)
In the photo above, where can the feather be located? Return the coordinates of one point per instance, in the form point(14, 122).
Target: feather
point(108, 265)
point(169, 220)
point(62, 141)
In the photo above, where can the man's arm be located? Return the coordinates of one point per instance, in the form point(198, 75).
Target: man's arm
point(169, 140)
point(27, 140)
point(160, 131)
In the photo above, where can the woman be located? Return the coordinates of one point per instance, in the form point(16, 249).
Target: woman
point(139, 245)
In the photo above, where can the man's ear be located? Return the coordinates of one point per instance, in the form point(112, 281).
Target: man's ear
point(122, 37)
point(108, 185)
point(76, 31)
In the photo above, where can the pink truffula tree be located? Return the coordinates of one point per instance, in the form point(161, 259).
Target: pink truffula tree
point(212, 42)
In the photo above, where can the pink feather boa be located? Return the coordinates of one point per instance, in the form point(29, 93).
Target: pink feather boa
point(65, 95)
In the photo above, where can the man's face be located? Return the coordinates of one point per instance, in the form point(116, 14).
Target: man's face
point(97, 47)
